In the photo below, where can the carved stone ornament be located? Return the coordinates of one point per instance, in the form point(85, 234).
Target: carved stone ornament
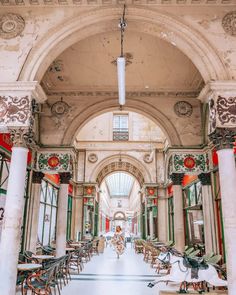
point(183, 109)
point(11, 25)
point(177, 178)
point(226, 110)
point(147, 158)
point(60, 108)
point(229, 23)
point(223, 138)
point(92, 158)
point(212, 116)
point(15, 111)
point(21, 137)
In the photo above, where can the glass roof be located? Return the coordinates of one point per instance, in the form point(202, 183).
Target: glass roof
point(119, 184)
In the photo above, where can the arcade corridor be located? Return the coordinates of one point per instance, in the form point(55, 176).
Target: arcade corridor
point(106, 275)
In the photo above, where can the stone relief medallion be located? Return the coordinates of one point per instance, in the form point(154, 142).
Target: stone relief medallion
point(229, 23)
point(226, 110)
point(92, 158)
point(147, 158)
point(11, 25)
point(183, 109)
point(60, 108)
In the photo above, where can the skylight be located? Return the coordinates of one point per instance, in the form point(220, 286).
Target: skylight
point(119, 184)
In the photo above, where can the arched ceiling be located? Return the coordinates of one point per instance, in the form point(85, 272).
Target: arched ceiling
point(155, 65)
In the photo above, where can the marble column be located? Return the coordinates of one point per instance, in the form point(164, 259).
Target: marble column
point(151, 231)
point(36, 191)
point(11, 232)
point(223, 140)
point(162, 216)
point(208, 213)
point(179, 234)
point(62, 214)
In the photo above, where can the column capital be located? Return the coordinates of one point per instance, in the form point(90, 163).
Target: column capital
point(65, 177)
point(177, 178)
point(205, 178)
point(223, 138)
point(37, 177)
point(21, 137)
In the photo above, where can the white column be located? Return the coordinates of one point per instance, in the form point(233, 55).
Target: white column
point(208, 213)
point(151, 232)
point(227, 173)
point(62, 214)
point(11, 235)
point(36, 190)
point(162, 219)
point(179, 234)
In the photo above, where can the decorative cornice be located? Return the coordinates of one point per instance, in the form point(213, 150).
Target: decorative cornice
point(129, 94)
point(177, 178)
point(56, 3)
point(216, 88)
point(32, 87)
point(205, 178)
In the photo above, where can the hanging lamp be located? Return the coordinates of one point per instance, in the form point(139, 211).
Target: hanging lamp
point(121, 62)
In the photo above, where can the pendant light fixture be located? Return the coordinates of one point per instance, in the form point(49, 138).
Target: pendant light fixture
point(121, 62)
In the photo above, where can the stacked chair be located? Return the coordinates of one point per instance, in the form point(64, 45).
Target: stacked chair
point(55, 273)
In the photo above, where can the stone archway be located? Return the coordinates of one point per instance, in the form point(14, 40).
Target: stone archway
point(120, 166)
point(133, 105)
point(99, 20)
point(120, 162)
point(119, 215)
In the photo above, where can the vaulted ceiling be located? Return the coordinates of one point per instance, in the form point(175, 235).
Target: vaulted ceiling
point(154, 65)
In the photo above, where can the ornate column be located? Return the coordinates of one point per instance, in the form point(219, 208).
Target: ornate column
point(162, 215)
point(208, 213)
point(36, 191)
point(62, 214)
point(223, 140)
point(11, 234)
point(178, 211)
point(221, 98)
point(151, 232)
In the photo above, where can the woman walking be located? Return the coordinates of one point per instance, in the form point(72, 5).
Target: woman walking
point(118, 241)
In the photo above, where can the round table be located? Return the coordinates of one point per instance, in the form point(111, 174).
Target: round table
point(28, 266)
point(43, 257)
point(75, 245)
point(70, 249)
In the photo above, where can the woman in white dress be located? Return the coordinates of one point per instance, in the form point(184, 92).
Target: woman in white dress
point(118, 242)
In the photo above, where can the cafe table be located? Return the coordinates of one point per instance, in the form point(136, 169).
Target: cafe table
point(70, 249)
point(43, 257)
point(28, 266)
point(75, 245)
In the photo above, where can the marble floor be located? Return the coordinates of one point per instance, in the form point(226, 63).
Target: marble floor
point(107, 275)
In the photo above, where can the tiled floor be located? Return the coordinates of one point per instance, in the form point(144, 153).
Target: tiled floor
point(107, 275)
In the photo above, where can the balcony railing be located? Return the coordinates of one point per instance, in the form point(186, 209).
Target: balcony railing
point(121, 134)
